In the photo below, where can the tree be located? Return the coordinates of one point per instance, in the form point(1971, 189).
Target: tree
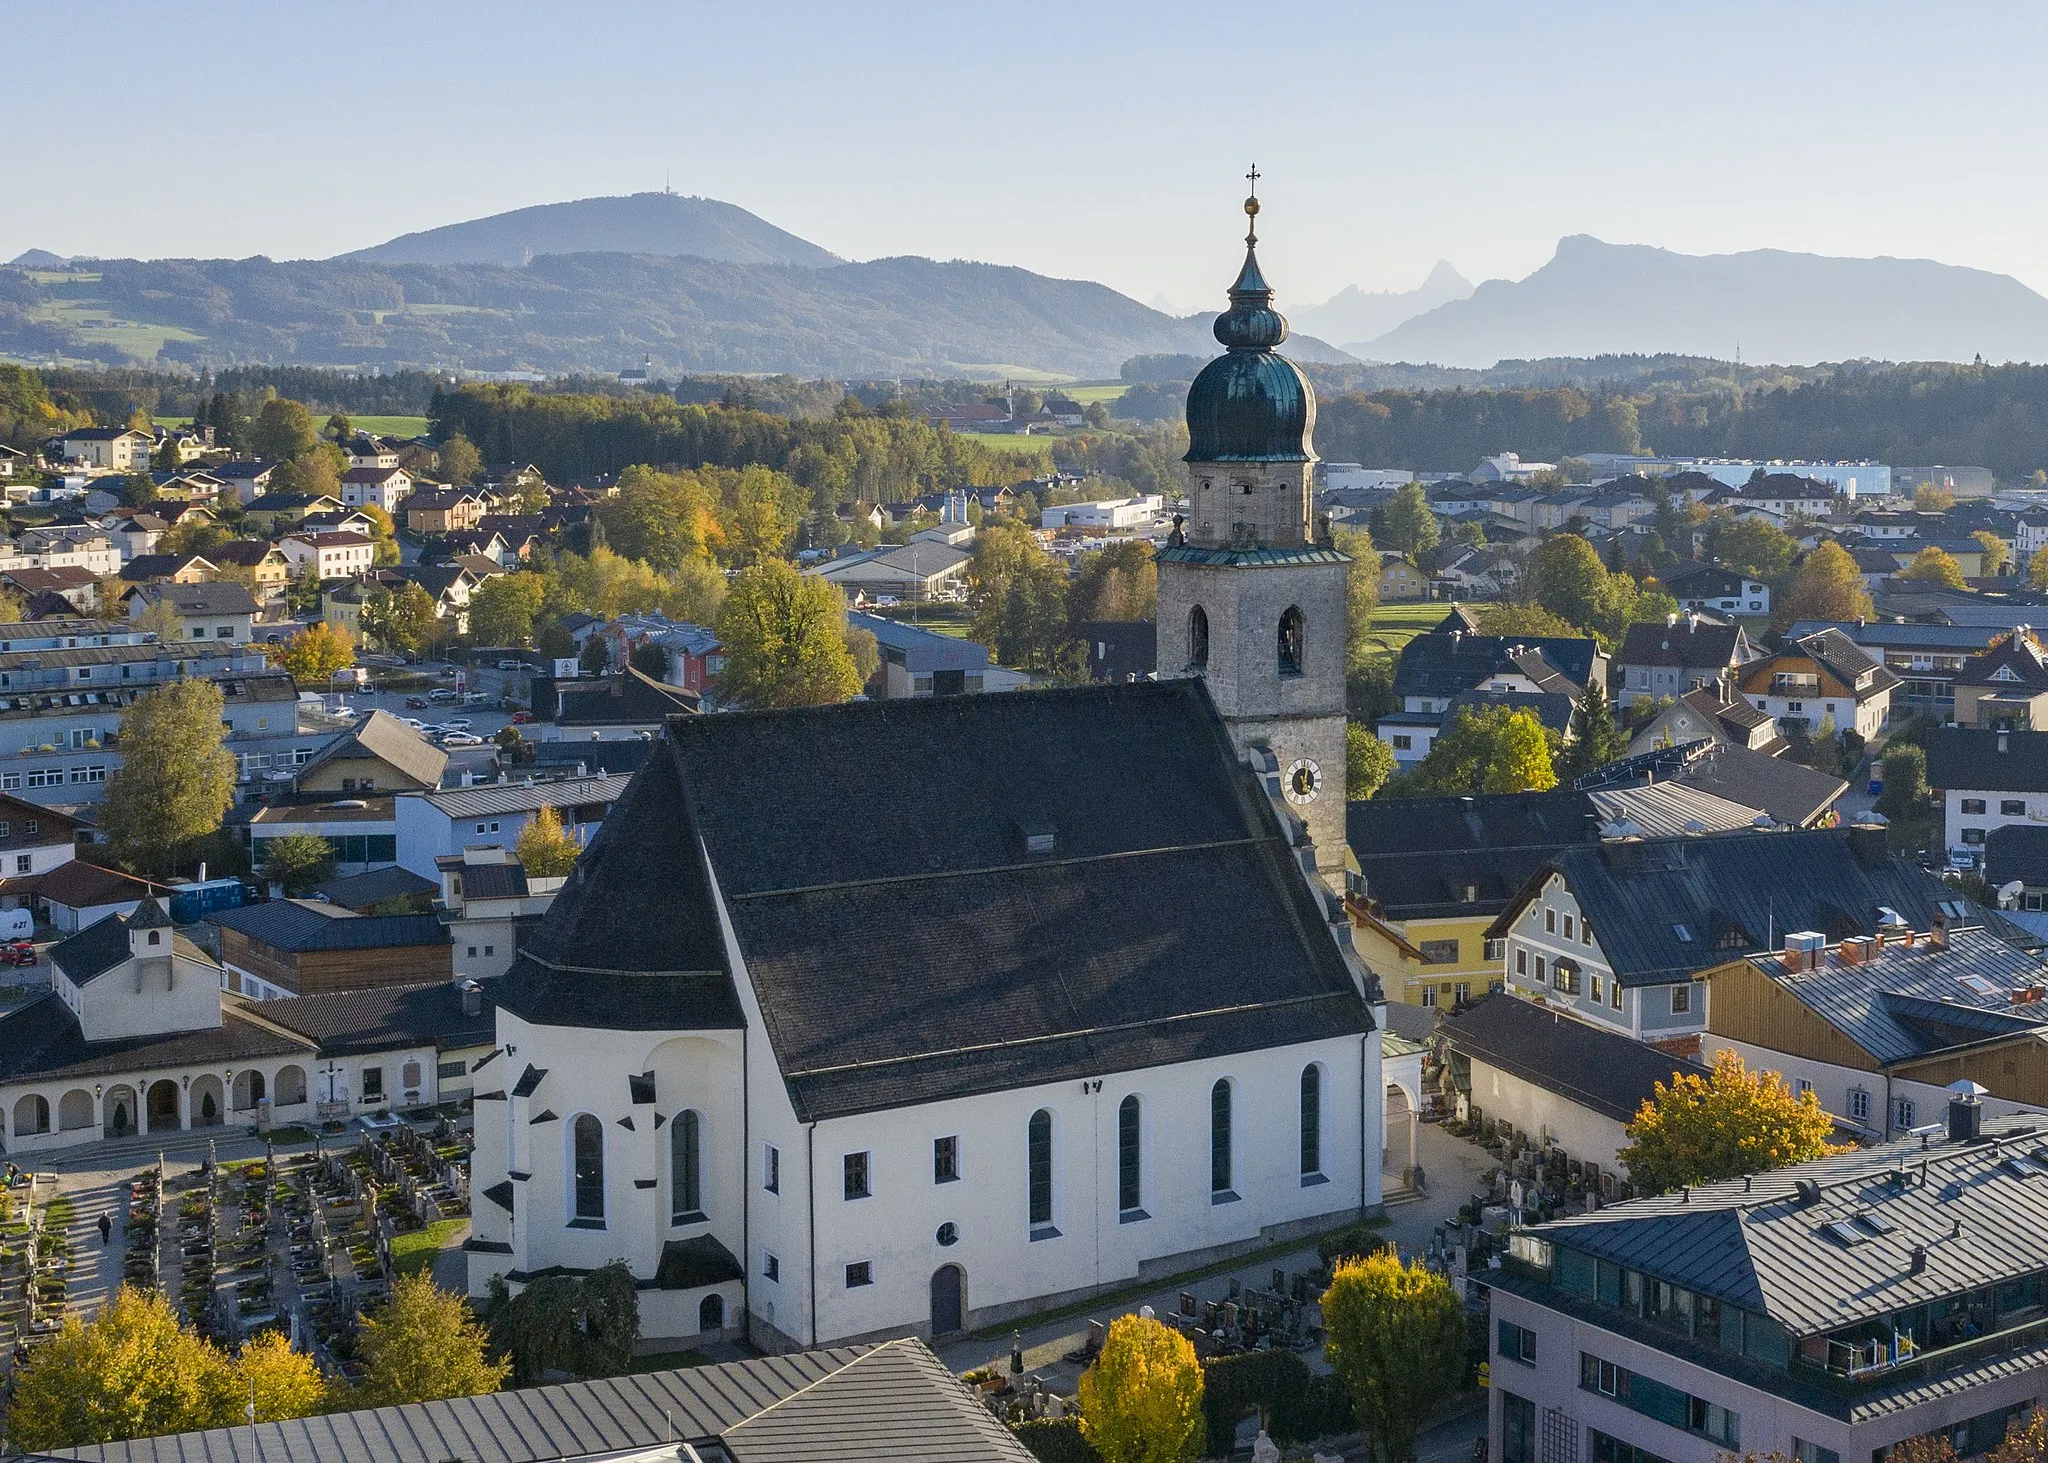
point(338, 428)
point(1397, 1338)
point(315, 472)
point(175, 779)
point(1569, 580)
point(649, 659)
point(281, 430)
point(546, 851)
point(1120, 582)
point(2026, 1441)
point(298, 861)
point(383, 534)
point(1409, 526)
point(1361, 592)
point(193, 536)
point(314, 654)
point(286, 1383)
point(1928, 498)
point(159, 617)
point(1935, 565)
point(866, 652)
point(459, 460)
point(132, 1372)
point(2037, 569)
point(502, 609)
point(423, 1346)
point(138, 489)
point(1368, 762)
point(1514, 619)
point(585, 1324)
point(1018, 596)
point(1904, 773)
point(405, 622)
point(1751, 546)
point(1487, 749)
point(1597, 739)
point(1141, 1402)
point(1697, 1129)
point(1997, 552)
point(1828, 586)
point(666, 519)
point(785, 640)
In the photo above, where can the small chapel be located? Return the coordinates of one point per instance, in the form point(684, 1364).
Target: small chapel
point(910, 1017)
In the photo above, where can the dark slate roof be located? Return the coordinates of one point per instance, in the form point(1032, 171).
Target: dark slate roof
point(2016, 851)
point(1846, 660)
point(300, 927)
point(360, 891)
point(891, 1401)
point(1789, 791)
point(1739, 893)
point(2020, 654)
point(1120, 650)
point(42, 1040)
point(1443, 664)
point(610, 758)
point(382, 736)
point(1608, 1073)
point(384, 1017)
point(909, 948)
point(629, 698)
point(1701, 580)
point(97, 949)
point(1969, 758)
point(1418, 855)
point(1552, 708)
point(493, 881)
point(216, 597)
point(1688, 643)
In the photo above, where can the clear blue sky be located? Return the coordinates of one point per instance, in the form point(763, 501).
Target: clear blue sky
point(1090, 140)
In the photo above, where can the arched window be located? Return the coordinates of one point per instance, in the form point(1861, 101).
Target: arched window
point(1039, 1137)
point(31, 1115)
point(1292, 628)
point(1311, 1119)
point(588, 1163)
point(1219, 1137)
point(686, 1168)
point(1129, 1188)
point(1198, 638)
point(711, 1313)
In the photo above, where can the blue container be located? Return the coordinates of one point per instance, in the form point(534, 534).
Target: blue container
point(191, 903)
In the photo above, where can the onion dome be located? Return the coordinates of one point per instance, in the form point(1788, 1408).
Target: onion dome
point(1251, 405)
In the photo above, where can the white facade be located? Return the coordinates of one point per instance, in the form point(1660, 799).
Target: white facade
point(1970, 814)
point(387, 490)
point(1865, 717)
point(1554, 955)
point(1877, 1105)
point(1105, 513)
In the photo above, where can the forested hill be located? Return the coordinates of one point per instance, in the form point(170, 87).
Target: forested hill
point(642, 223)
point(599, 313)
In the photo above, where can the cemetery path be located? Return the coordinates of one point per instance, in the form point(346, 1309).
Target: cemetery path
point(96, 1272)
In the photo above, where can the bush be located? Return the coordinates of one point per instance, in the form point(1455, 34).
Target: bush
point(1294, 1405)
point(1056, 1440)
point(1356, 1242)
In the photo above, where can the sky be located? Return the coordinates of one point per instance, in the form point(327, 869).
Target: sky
point(1097, 140)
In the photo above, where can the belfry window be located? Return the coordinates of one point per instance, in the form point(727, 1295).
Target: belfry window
point(1198, 638)
point(1292, 629)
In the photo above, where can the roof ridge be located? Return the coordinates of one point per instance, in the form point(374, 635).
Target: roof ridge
point(936, 875)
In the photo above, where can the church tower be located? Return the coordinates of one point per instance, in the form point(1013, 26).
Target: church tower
point(1251, 596)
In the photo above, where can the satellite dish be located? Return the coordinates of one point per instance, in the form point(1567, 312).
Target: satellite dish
point(2009, 894)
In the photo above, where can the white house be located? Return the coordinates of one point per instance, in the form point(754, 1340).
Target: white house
point(109, 449)
point(808, 1070)
point(329, 555)
point(431, 825)
point(491, 903)
point(220, 611)
point(384, 484)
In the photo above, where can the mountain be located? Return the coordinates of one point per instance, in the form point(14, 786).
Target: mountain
point(1354, 314)
point(596, 313)
point(1596, 298)
point(643, 223)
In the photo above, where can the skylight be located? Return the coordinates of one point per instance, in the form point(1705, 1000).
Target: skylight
point(1843, 1234)
point(1684, 934)
point(2022, 1168)
point(1874, 1222)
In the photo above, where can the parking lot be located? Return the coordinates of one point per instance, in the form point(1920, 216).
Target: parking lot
point(485, 718)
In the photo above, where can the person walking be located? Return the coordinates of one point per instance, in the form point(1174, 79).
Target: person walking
point(106, 1229)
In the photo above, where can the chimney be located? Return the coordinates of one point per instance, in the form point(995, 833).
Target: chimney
point(1919, 1259)
point(2004, 739)
point(1937, 936)
point(472, 998)
point(1867, 844)
point(1965, 1111)
point(1803, 951)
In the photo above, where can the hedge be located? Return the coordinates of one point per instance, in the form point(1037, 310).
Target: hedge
point(1056, 1440)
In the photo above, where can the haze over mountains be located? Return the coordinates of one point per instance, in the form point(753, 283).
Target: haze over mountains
point(1765, 305)
point(695, 284)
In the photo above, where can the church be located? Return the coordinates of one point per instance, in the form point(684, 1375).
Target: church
point(909, 1017)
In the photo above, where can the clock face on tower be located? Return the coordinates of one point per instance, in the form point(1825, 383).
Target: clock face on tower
point(1304, 781)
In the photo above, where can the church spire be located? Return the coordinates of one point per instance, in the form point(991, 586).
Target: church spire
point(1251, 323)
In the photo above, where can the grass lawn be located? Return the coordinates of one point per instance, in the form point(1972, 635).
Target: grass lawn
point(390, 426)
point(667, 1361)
point(289, 1134)
point(414, 1251)
point(1095, 391)
point(1394, 625)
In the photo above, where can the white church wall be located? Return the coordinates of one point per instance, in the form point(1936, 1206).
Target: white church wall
point(156, 994)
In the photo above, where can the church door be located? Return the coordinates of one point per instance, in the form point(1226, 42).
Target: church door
point(946, 1300)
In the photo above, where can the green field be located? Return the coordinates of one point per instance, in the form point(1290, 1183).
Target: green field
point(381, 426)
point(1393, 626)
point(1095, 391)
point(1006, 442)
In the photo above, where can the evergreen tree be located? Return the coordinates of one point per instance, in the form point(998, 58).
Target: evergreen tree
point(1597, 739)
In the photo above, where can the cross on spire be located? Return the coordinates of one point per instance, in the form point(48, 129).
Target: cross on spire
point(1251, 209)
point(1253, 175)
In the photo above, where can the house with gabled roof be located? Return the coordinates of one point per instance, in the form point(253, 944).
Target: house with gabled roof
point(1819, 678)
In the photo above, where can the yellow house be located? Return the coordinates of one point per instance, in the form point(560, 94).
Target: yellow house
point(1429, 875)
point(1400, 579)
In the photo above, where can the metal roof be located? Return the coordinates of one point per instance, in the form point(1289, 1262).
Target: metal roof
point(524, 797)
point(1672, 808)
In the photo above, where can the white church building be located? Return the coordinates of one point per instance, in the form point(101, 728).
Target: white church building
point(906, 1017)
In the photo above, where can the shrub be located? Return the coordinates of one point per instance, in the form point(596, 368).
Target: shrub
point(1294, 1405)
point(1056, 1440)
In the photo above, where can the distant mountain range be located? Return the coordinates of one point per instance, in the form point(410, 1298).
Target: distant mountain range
point(1355, 315)
point(642, 223)
point(1596, 298)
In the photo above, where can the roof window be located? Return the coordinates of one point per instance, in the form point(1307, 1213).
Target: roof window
point(1843, 1234)
point(1683, 932)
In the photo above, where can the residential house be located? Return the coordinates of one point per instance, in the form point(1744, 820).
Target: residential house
point(195, 486)
point(302, 947)
point(1926, 657)
point(329, 555)
point(11, 458)
point(1790, 793)
point(1400, 579)
point(1436, 668)
point(491, 906)
point(348, 520)
point(620, 706)
point(485, 542)
point(443, 510)
point(920, 662)
point(138, 534)
point(1985, 779)
point(79, 589)
point(1781, 495)
point(169, 569)
point(1820, 678)
point(1569, 1088)
point(1488, 573)
point(1683, 654)
point(1828, 1310)
point(248, 480)
point(270, 567)
point(107, 449)
point(220, 611)
point(384, 486)
point(1967, 552)
point(367, 451)
point(34, 840)
point(431, 824)
point(2005, 685)
point(1714, 713)
point(1879, 1026)
point(65, 546)
point(1702, 585)
point(276, 513)
point(361, 829)
point(1624, 932)
point(341, 605)
point(379, 753)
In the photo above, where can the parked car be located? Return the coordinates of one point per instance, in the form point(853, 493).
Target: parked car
point(511, 665)
point(443, 694)
point(461, 739)
point(458, 723)
point(415, 703)
point(522, 718)
point(17, 952)
point(415, 723)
